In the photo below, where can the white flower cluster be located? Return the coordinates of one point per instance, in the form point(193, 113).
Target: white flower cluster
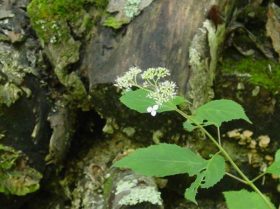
point(164, 92)
point(155, 73)
point(152, 81)
point(129, 79)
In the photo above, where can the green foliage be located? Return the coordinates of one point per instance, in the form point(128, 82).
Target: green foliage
point(15, 179)
point(258, 71)
point(274, 168)
point(166, 159)
point(170, 159)
point(138, 100)
point(212, 173)
point(244, 200)
point(191, 192)
point(215, 113)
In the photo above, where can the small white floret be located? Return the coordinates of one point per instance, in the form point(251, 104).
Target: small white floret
point(153, 110)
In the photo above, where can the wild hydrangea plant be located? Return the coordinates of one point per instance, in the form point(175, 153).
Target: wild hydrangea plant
point(150, 92)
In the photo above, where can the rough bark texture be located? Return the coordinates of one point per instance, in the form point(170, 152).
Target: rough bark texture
point(160, 36)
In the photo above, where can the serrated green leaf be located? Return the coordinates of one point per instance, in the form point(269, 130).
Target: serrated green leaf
point(214, 171)
point(274, 168)
point(188, 126)
point(191, 192)
point(172, 104)
point(137, 100)
point(170, 159)
point(163, 160)
point(210, 175)
point(218, 111)
point(245, 200)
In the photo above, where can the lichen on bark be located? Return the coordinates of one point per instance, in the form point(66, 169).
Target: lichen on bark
point(202, 65)
point(123, 11)
point(12, 74)
point(16, 177)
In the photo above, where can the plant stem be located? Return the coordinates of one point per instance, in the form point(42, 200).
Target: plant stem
point(219, 135)
point(227, 156)
point(236, 178)
point(258, 177)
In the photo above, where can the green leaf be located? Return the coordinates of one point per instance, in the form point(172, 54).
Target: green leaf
point(211, 174)
point(137, 100)
point(191, 192)
point(216, 112)
point(172, 104)
point(274, 168)
point(214, 172)
point(189, 126)
point(163, 160)
point(246, 200)
point(170, 159)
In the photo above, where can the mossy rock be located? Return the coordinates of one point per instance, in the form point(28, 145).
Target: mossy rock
point(261, 72)
point(51, 18)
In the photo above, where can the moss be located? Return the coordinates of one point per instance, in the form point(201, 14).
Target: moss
point(16, 177)
point(100, 3)
point(54, 22)
point(264, 73)
point(113, 22)
point(51, 18)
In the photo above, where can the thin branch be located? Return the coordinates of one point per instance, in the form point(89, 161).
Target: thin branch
point(219, 135)
point(236, 178)
point(258, 177)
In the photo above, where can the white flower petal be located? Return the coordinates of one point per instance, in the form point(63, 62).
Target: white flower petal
point(155, 107)
point(149, 109)
point(153, 113)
